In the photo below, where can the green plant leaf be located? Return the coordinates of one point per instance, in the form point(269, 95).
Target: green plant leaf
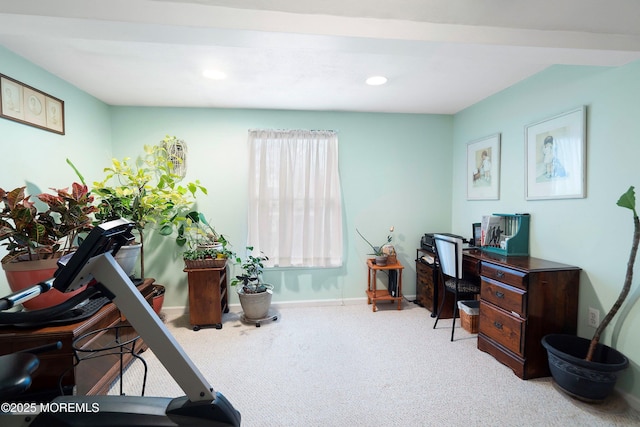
point(166, 230)
point(628, 200)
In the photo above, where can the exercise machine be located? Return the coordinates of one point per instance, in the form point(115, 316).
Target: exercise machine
point(93, 265)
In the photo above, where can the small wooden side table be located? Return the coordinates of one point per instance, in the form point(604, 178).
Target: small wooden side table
point(374, 294)
point(207, 296)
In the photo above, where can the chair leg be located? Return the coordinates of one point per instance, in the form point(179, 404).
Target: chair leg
point(444, 297)
point(455, 314)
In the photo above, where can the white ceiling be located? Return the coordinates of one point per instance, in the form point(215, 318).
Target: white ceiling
point(440, 56)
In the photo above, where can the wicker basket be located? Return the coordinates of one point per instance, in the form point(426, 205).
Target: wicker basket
point(205, 263)
point(469, 316)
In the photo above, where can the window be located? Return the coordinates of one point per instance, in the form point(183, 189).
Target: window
point(295, 203)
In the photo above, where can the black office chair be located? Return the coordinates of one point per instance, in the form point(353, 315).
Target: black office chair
point(449, 257)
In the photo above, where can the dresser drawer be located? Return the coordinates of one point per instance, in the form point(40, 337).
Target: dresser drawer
point(424, 272)
point(503, 328)
point(507, 297)
point(505, 275)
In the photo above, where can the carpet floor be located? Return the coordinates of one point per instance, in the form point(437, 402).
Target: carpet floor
point(348, 366)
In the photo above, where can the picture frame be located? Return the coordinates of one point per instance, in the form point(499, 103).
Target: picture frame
point(483, 168)
point(25, 104)
point(555, 156)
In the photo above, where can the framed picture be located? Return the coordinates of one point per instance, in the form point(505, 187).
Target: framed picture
point(483, 168)
point(28, 105)
point(555, 164)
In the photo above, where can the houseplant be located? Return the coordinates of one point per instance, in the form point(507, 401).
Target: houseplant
point(36, 239)
point(586, 368)
point(383, 251)
point(254, 294)
point(205, 246)
point(145, 191)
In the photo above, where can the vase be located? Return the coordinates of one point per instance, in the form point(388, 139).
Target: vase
point(590, 381)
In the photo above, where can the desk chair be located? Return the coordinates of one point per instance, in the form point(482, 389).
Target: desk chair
point(449, 257)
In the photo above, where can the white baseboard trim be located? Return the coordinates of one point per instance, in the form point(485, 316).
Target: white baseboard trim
point(633, 401)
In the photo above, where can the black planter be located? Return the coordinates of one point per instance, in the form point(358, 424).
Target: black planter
point(590, 381)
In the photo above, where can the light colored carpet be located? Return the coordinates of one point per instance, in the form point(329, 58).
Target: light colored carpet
point(347, 366)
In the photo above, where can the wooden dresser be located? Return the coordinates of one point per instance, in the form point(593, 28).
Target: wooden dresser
point(523, 299)
point(90, 377)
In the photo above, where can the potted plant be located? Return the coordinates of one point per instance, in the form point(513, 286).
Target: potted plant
point(145, 191)
point(382, 252)
point(586, 368)
point(254, 294)
point(206, 247)
point(35, 240)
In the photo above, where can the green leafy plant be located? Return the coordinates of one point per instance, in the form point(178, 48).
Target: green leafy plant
point(196, 231)
point(145, 191)
point(378, 250)
point(627, 200)
point(201, 239)
point(251, 277)
point(32, 235)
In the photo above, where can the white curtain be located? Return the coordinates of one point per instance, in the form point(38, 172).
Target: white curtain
point(295, 204)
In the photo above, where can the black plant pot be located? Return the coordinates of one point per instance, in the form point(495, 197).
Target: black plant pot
point(589, 381)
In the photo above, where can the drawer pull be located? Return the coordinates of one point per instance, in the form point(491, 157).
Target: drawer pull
point(499, 274)
point(500, 294)
point(498, 325)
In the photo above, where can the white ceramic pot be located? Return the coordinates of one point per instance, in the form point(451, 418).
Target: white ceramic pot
point(127, 257)
point(255, 306)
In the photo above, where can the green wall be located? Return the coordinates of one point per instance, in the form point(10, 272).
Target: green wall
point(592, 233)
point(390, 165)
point(37, 157)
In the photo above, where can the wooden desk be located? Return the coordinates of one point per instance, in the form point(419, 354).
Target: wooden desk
point(523, 299)
point(374, 294)
point(429, 287)
point(89, 377)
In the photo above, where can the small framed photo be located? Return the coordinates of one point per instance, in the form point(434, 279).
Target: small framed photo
point(555, 157)
point(483, 168)
point(25, 104)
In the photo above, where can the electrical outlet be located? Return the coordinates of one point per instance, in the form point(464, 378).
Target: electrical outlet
point(594, 317)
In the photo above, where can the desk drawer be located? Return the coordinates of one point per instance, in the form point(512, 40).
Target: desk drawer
point(505, 329)
point(504, 296)
point(424, 272)
point(510, 277)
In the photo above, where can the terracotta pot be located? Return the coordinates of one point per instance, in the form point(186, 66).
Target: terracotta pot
point(158, 298)
point(24, 274)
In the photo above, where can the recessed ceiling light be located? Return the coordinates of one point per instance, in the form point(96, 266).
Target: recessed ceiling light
point(214, 74)
point(376, 80)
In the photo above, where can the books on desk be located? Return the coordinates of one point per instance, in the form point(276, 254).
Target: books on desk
point(507, 234)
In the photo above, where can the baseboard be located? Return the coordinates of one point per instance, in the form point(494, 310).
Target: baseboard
point(632, 400)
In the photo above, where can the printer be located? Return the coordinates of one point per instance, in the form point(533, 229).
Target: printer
point(427, 242)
